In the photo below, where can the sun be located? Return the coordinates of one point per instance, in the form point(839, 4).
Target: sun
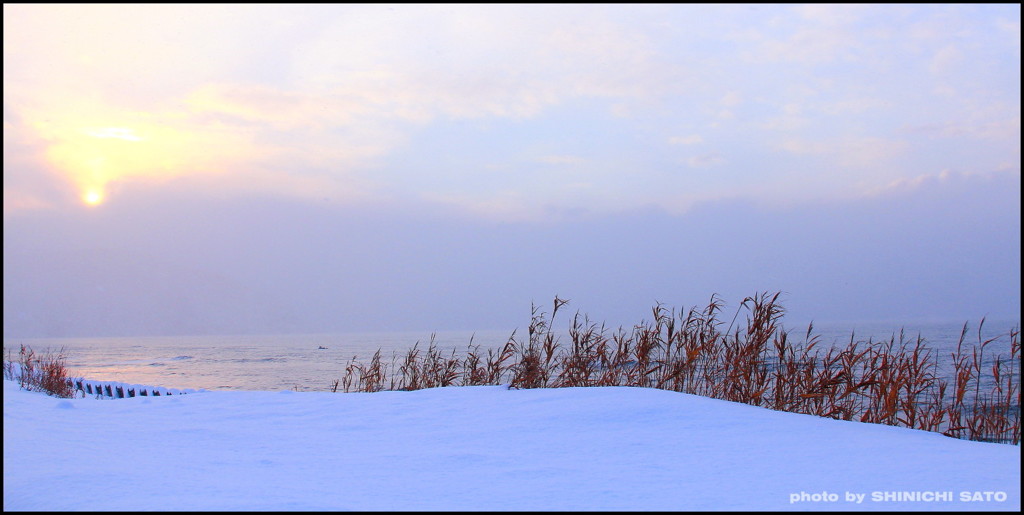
point(141, 148)
point(92, 197)
point(94, 156)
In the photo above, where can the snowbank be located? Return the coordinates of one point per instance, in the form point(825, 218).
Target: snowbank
point(479, 448)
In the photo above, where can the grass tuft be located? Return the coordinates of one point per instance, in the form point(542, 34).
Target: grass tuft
point(39, 372)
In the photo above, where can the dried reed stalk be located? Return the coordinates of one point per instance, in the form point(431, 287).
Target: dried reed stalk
point(893, 381)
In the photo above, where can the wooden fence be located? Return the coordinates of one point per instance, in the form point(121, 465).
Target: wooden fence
point(120, 391)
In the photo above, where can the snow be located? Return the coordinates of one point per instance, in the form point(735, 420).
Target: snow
point(478, 448)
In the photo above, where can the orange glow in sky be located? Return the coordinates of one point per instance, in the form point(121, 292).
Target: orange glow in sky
point(114, 132)
point(92, 156)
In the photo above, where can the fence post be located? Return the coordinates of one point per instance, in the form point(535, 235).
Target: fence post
point(117, 392)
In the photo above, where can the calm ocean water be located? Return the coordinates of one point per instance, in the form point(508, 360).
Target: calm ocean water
point(243, 362)
point(312, 362)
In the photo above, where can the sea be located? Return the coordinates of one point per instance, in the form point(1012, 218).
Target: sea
point(313, 362)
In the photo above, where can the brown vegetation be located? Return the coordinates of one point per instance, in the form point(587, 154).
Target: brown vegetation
point(895, 381)
point(756, 362)
point(39, 373)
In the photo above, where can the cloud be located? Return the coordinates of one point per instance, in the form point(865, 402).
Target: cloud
point(854, 106)
point(790, 119)
point(1011, 28)
point(476, 61)
point(949, 181)
point(349, 90)
point(946, 60)
point(852, 151)
point(706, 160)
point(731, 99)
point(807, 45)
point(692, 139)
point(561, 160)
point(300, 100)
point(831, 15)
point(1005, 129)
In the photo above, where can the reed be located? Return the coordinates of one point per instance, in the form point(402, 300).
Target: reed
point(433, 370)
point(753, 360)
point(44, 372)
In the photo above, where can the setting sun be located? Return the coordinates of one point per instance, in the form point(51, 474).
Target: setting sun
point(93, 197)
point(95, 155)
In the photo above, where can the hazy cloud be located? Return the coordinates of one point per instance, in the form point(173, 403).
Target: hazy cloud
point(328, 167)
point(705, 160)
point(313, 98)
point(692, 139)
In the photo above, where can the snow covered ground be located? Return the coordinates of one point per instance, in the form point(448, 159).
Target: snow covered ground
point(479, 448)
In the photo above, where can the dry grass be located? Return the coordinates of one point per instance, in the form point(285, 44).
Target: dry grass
point(753, 361)
point(39, 373)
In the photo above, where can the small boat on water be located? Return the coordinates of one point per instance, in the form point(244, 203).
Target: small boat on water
point(321, 347)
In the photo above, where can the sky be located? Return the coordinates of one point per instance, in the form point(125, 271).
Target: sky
point(233, 169)
point(480, 448)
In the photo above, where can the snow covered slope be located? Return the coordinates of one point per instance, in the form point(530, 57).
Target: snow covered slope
point(479, 448)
